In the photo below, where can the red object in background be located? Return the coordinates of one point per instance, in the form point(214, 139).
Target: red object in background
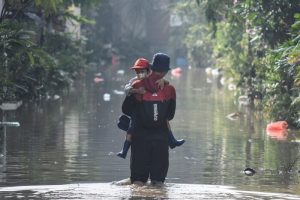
point(114, 60)
point(98, 79)
point(176, 72)
point(278, 130)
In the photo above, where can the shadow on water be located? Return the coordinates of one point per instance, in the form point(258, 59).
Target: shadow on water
point(74, 142)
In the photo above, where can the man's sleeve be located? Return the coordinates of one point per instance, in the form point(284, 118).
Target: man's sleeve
point(128, 105)
point(172, 105)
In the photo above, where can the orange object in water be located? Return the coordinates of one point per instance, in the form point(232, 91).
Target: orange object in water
point(280, 125)
point(278, 134)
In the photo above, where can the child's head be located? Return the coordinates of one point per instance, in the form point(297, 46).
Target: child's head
point(141, 68)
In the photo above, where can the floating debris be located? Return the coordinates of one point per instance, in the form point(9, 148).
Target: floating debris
point(10, 105)
point(98, 74)
point(106, 97)
point(208, 80)
point(56, 97)
point(216, 72)
point(249, 171)
point(295, 140)
point(197, 89)
point(120, 72)
point(14, 124)
point(279, 125)
point(244, 100)
point(278, 130)
point(98, 80)
point(231, 86)
point(176, 72)
point(233, 116)
point(208, 70)
point(119, 92)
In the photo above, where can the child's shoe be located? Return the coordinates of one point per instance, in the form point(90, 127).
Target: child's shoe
point(173, 142)
point(125, 149)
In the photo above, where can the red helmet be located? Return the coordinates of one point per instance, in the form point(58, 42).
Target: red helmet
point(141, 63)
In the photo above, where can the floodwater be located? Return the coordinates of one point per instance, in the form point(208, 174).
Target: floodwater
point(66, 149)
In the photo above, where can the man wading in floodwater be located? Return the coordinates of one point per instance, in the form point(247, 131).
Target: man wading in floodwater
point(153, 110)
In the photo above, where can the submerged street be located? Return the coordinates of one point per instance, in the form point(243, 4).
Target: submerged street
point(66, 149)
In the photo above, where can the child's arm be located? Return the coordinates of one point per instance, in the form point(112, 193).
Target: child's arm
point(128, 87)
point(130, 90)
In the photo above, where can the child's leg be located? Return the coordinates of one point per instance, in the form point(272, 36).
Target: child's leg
point(173, 142)
point(126, 146)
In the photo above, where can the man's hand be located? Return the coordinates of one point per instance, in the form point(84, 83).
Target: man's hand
point(160, 83)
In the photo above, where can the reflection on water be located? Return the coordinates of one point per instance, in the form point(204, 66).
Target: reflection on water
point(110, 191)
point(76, 140)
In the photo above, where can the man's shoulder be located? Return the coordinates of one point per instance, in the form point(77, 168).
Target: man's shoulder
point(170, 91)
point(169, 87)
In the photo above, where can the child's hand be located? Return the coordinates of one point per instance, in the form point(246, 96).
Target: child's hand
point(160, 83)
point(140, 90)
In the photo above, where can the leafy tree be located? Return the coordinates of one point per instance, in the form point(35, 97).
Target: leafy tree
point(195, 31)
point(282, 79)
point(37, 57)
point(19, 55)
point(253, 42)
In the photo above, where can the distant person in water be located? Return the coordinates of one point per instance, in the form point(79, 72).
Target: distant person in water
point(142, 70)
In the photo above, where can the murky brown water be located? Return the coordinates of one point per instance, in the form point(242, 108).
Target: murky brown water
point(75, 141)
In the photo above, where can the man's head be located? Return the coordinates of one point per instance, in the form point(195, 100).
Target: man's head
point(160, 63)
point(141, 67)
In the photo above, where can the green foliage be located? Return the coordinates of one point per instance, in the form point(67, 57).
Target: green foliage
point(19, 55)
point(49, 7)
point(282, 78)
point(196, 33)
point(230, 51)
point(127, 46)
point(37, 58)
point(69, 14)
point(258, 42)
point(199, 48)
